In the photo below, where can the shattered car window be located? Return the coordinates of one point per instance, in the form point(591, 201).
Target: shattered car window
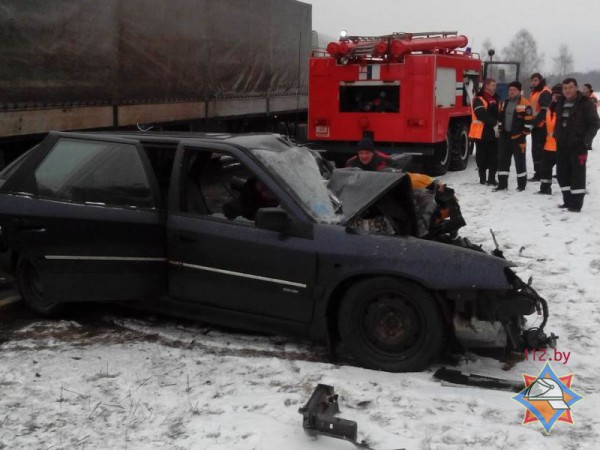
point(298, 169)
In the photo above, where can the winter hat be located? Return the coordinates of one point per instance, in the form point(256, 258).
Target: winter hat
point(365, 144)
point(515, 84)
point(557, 89)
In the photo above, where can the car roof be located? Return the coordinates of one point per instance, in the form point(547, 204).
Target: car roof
point(250, 141)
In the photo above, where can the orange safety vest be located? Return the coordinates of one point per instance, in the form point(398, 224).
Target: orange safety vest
point(476, 130)
point(550, 144)
point(534, 102)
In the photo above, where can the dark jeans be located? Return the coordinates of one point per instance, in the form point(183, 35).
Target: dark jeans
point(570, 172)
point(508, 149)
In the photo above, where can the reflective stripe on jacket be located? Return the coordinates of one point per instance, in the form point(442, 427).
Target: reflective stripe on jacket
point(550, 144)
point(476, 130)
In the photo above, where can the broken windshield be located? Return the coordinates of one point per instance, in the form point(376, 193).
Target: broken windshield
point(297, 168)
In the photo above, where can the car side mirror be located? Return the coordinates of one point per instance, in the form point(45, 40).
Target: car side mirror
point(273, 219)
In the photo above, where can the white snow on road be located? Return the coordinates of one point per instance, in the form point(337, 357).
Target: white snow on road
point(169, 384)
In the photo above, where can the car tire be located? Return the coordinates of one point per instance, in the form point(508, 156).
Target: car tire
point(461, 146)
point(392, 325)
point(30, 285)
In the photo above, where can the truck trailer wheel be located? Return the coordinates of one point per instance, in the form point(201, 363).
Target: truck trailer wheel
point(30, 285)
point(439, 163)
point(390, 324)
point(460, 145)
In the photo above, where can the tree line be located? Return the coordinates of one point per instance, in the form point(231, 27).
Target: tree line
point(523, 48)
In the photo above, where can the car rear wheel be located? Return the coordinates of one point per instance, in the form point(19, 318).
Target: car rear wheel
point(390, 324)
point(30, 284)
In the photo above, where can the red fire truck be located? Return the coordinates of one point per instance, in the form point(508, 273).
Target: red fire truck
point(410, 92)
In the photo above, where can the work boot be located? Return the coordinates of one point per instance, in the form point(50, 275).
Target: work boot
point(502, 183)
point(521, 183)
point(481, 176)
point(491, 181)
point(566, 199)
point(576, 203)
point(545, 189)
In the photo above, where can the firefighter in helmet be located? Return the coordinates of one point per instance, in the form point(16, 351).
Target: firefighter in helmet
point(484, 131)
point(515, 124)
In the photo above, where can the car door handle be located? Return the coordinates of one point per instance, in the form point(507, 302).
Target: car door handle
point(28, 225)
point(185, 238)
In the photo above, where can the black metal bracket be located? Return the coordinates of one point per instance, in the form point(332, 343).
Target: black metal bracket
point(318, 417)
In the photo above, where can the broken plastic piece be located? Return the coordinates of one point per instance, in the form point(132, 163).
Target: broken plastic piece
point(318, 417)
point(457, 377)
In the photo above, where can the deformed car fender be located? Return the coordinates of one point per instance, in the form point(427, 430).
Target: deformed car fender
point(434, 265)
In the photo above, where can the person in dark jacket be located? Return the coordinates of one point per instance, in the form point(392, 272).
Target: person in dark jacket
point(540, 99)
point(514, 122)
point(368, 158)
point(484, 132)
point(589, 92)
point(577, 123)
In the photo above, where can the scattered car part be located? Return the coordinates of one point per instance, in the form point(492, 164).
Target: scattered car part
point(457, 377)
point(318, 417)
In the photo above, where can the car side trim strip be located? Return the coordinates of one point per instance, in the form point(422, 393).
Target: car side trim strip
point(238, 274)
point(103, 258)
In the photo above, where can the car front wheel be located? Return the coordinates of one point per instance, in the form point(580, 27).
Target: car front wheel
point(390, 324)
point(30, 286)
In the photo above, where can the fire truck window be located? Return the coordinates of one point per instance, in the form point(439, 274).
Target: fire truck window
point(370, 99)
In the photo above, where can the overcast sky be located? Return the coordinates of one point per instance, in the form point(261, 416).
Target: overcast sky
point(575, 23)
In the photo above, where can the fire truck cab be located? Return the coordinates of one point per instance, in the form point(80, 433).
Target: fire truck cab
point(409, 92)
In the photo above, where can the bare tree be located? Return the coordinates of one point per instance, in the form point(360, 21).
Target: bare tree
point(485, 48)
point(523, 48)
point(563, 63)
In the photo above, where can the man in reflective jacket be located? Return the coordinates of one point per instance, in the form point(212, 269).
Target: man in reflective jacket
point(577, 123)
point(484, 118)
point(515, 124)
point(539, 100)
point(549, 155)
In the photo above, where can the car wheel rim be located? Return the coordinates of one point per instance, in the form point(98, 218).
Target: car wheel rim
point(392, 325)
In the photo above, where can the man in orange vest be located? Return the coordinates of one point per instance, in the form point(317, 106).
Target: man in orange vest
point(549, 156)
point(589, 92)
point(484, 118)
point(540, 99)
point(515, 124)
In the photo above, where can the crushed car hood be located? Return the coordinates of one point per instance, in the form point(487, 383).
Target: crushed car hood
point(358, 190)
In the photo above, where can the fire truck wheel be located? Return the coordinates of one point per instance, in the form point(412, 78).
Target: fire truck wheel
point(391, 324)
point(439, 163)
point(460, 144)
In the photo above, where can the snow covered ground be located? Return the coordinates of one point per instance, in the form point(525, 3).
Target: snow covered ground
point(160, 383)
